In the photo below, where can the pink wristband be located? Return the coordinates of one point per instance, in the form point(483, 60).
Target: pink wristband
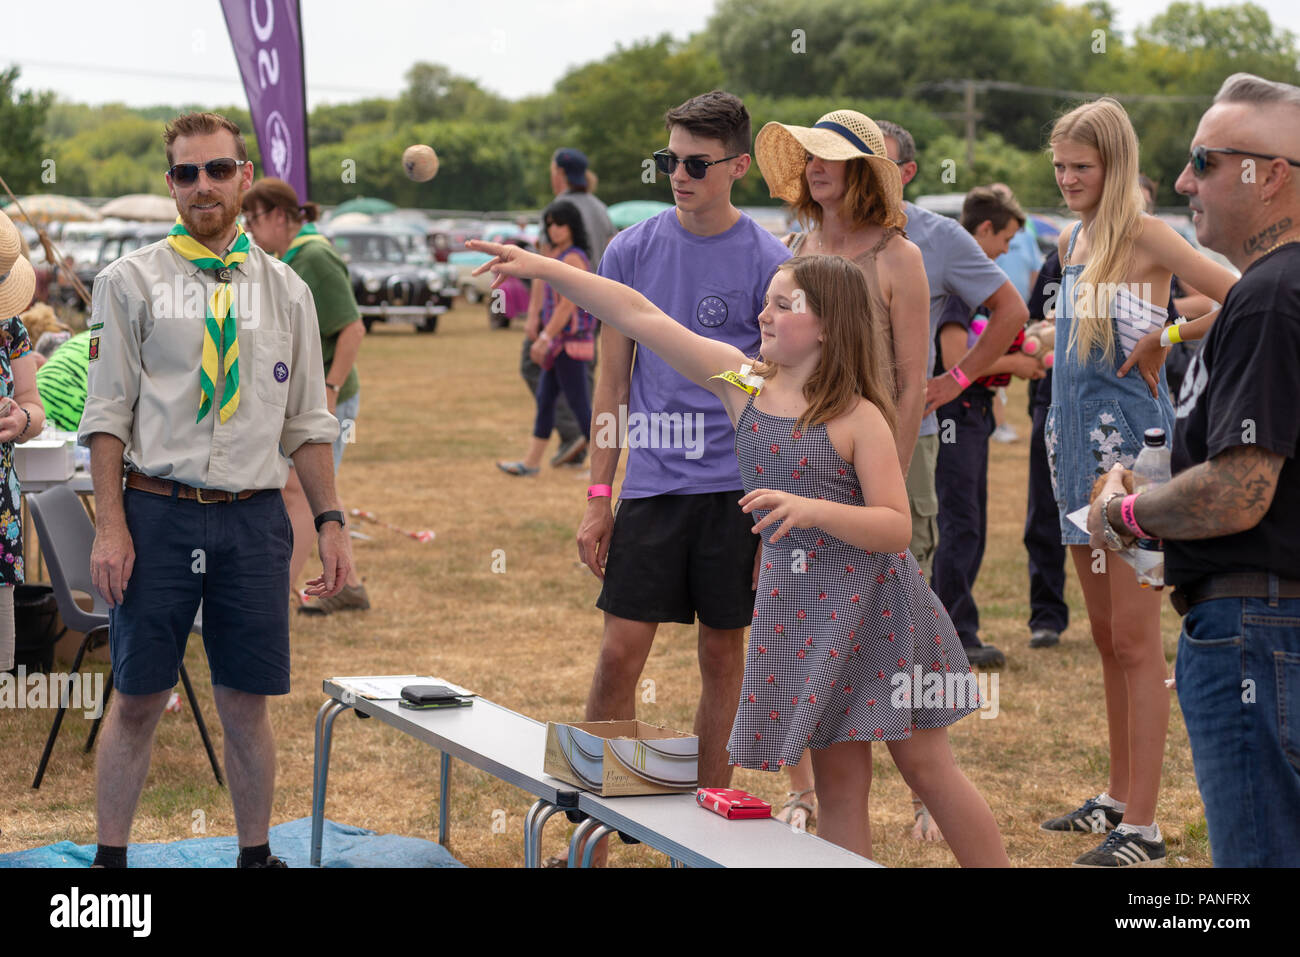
point(1129, 518)
point(960, 376)
point(599, 491)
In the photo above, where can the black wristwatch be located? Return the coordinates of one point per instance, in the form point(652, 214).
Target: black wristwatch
point(331, 516)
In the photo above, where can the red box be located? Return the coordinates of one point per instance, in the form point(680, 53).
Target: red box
point(732, 804)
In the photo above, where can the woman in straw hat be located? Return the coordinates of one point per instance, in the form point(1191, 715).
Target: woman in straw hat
point(848, 196)
point(21, 417)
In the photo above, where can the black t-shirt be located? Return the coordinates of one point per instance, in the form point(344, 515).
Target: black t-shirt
point(1239, 390)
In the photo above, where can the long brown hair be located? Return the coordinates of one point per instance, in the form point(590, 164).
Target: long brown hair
point(862, 199)
point(855, 360)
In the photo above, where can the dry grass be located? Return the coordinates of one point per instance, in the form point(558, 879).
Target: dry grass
point(437, 410)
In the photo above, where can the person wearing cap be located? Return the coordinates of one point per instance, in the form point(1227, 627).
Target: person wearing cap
point(1230, 514)
point(286, 229)
point(21, 417)
point(955, 266)
point(205, 362)
point(848, 197)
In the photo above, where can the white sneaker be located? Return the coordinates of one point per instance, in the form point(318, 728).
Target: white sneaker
point(1005, 433)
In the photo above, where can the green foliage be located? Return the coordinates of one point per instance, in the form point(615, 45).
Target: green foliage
point(22, 144)
point(613, 110)
point(791, 60)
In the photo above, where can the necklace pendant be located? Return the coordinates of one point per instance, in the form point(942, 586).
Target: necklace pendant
point(223, 275)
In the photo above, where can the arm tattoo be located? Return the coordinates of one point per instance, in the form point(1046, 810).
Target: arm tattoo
point(1266, 236)
point(1228, 494)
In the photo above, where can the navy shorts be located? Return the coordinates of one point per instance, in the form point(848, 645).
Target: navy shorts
point(672, 557)
point(234, 557)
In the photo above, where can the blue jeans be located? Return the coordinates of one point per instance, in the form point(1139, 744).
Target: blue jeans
point(1238, 673)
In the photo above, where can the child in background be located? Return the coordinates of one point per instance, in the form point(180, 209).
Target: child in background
point(965, 424)
point(842, 611)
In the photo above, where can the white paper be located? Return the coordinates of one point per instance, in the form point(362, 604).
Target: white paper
point(1080, 518)
point(389, 687)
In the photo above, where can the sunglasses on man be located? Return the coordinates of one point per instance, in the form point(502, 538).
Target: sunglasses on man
point(219, 170)
point(696, 168)
point(1200, 157)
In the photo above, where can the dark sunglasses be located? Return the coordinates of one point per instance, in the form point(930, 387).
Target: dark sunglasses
point(1200, 157)
point(696, 168)
point(219, 170)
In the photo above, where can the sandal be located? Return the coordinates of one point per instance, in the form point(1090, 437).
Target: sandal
point(516, 468)
point(925, 829)
point(801, 814)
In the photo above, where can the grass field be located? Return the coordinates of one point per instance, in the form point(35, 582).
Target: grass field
point(436, 412)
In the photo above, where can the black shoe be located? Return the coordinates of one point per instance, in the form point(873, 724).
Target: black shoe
point(985, 656)
point(1124, 849)
point(1092, 818)
point(1044, 638)
point(271, 861)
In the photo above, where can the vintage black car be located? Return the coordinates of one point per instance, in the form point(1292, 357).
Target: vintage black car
point(393, 277)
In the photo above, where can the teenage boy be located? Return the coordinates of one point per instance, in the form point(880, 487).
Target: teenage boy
point(992, 217)
point(955, 266)
point(679, 547)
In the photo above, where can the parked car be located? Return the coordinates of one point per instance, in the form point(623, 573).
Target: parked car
point(392, 278)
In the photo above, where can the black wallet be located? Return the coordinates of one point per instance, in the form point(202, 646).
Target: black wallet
point(428, 694)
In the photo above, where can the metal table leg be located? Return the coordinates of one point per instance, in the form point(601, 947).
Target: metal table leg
point(597, 835)
point(581, 831)
point(528, 831)
point(541, 813)
point(444, 791)
point(330, 710)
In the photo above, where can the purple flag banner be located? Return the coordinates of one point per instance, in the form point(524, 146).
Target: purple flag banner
point(267, 38)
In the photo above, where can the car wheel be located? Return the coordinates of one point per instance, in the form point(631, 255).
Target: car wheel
point(429, 324)
point(472, 294)
point(368, 321)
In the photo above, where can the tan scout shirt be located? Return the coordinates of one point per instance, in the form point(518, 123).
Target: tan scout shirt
point(146, 351)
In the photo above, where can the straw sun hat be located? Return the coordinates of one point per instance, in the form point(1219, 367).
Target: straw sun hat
point(839, 135)
point(17, 280)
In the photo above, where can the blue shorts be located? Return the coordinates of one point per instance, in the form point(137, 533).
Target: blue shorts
point(233, 557)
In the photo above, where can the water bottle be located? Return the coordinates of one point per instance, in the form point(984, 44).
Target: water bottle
point(1150, 470)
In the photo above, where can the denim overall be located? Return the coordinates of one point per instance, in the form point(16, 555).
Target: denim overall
point(1096, 418)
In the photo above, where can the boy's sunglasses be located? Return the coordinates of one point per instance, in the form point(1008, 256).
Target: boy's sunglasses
point(1200, 157)
point(219, 170)
point(696, 168)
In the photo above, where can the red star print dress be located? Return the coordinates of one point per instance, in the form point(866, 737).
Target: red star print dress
point(837, 630)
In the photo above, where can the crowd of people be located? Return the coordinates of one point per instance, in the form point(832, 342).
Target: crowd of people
point(820, 403)
point(843, 384)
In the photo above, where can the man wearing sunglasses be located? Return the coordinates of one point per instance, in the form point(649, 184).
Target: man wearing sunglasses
point(204, 362)
point(680, 546)
point(1230, 515)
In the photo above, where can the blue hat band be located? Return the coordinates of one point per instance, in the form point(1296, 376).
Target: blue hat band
point(847, 133)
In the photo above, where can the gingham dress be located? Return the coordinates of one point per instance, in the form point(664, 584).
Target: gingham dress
point(833, 624)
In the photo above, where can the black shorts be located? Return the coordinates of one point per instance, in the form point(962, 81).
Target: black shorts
point(672, 557)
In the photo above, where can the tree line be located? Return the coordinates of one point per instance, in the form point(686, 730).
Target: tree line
point(791, 60)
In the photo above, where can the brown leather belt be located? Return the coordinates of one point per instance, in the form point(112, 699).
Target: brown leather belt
point(1235, 585)
point(207, 496)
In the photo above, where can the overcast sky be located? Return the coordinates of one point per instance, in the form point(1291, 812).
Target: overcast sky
point(147, 52)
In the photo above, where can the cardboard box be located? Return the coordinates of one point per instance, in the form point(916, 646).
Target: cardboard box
point(45, 460)
point(612, 758)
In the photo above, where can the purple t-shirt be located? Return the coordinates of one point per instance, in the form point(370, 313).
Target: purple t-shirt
point(680, 440)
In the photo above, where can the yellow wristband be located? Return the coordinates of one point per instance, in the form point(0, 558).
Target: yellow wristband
point(1173, 335)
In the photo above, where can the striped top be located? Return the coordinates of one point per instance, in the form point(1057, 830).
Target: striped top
point(62, 382)
point(1135, 317)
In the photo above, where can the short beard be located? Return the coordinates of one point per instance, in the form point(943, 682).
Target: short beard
point(231, 213)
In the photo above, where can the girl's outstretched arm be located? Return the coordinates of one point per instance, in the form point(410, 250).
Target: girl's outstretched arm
point(696, 357)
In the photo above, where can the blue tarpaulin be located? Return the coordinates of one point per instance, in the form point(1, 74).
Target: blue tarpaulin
point(342, 846)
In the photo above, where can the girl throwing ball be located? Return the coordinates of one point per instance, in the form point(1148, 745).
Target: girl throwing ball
point(845, 629)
